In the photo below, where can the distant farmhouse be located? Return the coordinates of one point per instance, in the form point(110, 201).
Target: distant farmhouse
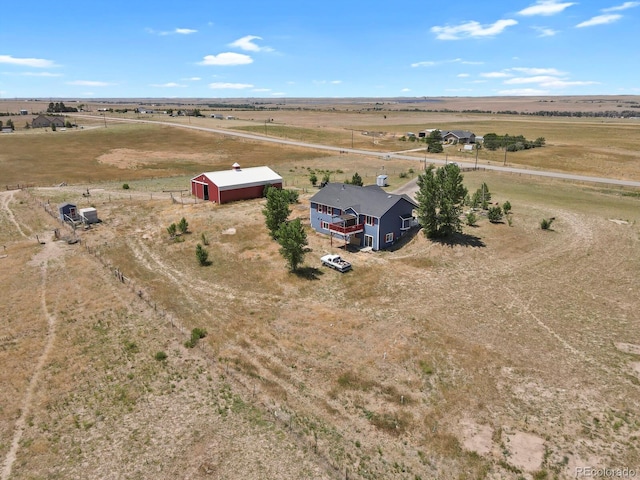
point(235, 184)
point(458, 136)
point(361, 216)
point(451, 136)
point(46, 121)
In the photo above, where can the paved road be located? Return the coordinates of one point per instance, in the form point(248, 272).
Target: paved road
point(387, 155)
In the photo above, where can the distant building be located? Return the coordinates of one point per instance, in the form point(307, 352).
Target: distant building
point(235, 184)
point(458, 136)
point(24, 112)
point(44, 121)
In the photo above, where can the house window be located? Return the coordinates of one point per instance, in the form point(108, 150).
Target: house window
point(324, 225)
point(319, 207)
point(388, 238)
point(368, 220)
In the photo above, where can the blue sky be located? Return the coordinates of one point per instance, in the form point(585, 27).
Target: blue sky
point(279, 49)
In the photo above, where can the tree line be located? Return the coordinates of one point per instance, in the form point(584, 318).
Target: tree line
point(60, 107)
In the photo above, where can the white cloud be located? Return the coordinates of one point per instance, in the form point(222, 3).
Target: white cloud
point(600, 20)
point(536, 79)
point(545, 31)
point(167, 85)
point(27, 62)
point(261, 89)
point(89, 83)
point(278, 94)
point(472, 29)
point(523, 92)
point(175, 31)
point(496, 75)
point(546, 7)
point(232, 86)
point(463, 75)
point(247, 43)
point(192, 79)
point(33, 74)
point(423, 64)
point(624, 6)
point(405, 90)
point(559, 83)
point(336, 82)
point(226, 59)
point(537, 71)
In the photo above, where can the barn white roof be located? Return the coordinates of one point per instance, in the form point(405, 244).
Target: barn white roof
point(243, 177)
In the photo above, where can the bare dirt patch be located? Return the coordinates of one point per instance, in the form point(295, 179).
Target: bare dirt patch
point(126, 158)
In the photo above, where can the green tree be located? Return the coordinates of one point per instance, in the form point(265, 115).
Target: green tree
point(506, 207)
point(292, 239)
point(481, 197)
point(183, 225)
point(434, 140)
point(277, 210)
point(492, 141)
point(313, 179)
point(440, 199)
point(171, 230)
point(202, 255)
point(10, 124)
point(326, 178)
point(494, 214)
point(356, 180)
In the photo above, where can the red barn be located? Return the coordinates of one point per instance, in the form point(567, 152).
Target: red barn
point(236, 184)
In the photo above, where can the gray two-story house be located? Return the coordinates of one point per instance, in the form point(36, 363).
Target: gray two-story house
point(361, 216)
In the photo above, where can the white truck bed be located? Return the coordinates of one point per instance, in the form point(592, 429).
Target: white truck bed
point(336, 262)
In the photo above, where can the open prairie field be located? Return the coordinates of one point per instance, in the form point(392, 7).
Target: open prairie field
point(510, 352)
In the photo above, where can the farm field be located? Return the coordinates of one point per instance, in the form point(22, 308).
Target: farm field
point(511, 352)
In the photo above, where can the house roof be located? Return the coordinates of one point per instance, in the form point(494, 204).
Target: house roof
point(370, 200)
point(458, 133)
point(242, 177)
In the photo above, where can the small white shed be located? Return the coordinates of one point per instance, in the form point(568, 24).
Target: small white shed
point(381, 181)
point(88, 215)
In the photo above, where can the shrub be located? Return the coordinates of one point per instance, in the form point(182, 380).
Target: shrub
point(545, 223)
point(313, 179)
point(471, 219)
point(183, 225)
point(172, 229)
point(196, 334)
point(205, 240)
point(160, 356)
point(495, 214)
point(125, 186)
point(202, 255)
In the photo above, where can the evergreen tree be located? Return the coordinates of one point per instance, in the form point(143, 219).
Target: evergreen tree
point(434, 140)
point(292, 239)
point(440, 199)
point(277, 210)
point(356, 180)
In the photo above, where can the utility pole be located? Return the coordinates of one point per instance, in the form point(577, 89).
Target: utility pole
point(477, 148)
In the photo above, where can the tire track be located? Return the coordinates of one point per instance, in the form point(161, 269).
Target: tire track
point(25, 409)
point(7, 197)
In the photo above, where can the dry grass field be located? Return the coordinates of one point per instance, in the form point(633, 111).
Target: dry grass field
point(511, 352)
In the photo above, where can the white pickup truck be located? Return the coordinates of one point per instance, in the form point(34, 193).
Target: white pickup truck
point(336, 262)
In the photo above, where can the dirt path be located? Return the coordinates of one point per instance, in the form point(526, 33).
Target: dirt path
point(49, 251)
point(5, 200)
